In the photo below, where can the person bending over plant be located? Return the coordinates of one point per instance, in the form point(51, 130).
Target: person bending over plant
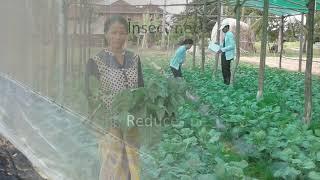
point(179, 57)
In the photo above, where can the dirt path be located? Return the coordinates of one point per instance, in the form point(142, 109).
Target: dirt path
point(14, 165)
point(287, 64)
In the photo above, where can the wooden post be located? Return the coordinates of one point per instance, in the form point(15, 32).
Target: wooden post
point(50, 61)
point(185, 22)
point(65, 35)
point(54, 58)
point(62, 48)
point(74, 44)
point(85, 32)
point(31, 64)
point(238, 14)
point(217, 56)
point(305, 42)
point(194, 39)
point(89, 30)
point(203, 54)
point(301, 42)
point(280, 40)
point(168, 40)
point(308, 72)
point(163, 37)
point(263, 49)
point(145, 40)
point(82, 61)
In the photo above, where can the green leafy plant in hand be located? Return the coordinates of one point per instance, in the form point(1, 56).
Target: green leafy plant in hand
point(158, 101)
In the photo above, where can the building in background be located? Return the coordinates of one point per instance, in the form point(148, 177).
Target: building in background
point(86, 20)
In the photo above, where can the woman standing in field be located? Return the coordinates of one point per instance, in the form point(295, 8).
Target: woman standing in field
point(179, 57)
point(116, 69)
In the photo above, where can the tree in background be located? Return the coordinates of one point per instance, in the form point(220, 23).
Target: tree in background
point(194, 25)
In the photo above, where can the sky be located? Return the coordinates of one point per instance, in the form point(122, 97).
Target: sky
point(174, 9)
point(170, 9)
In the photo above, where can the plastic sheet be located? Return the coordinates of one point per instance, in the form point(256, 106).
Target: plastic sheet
point(54, 140)
point(61, 144)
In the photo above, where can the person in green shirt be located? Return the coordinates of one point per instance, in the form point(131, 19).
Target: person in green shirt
point(179, 57)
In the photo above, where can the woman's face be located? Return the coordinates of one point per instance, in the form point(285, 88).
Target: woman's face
point(117, 35)
point(188, 46)
point(225, 29)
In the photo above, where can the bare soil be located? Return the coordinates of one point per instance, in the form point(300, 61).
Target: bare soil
point(287, 64)
point(14, 165)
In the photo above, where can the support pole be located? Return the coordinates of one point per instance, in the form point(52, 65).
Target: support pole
point(65, 34)
point(89, 30)
point(85, 31)
point(163, 37)
point(62, 47)
point(195, 39)
point(281, 40)
point(263, 49)
point(204, 19)
point(238, 16)
point(82, 61)
point(301, 41)
point(217, 56)
point(308, 72)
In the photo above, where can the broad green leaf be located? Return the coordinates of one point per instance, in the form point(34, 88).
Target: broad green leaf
point(284, 155)
point(309, 165)
point(318, 156)
point(192, 140)
point(235, 118)
point(185, 177)
point(242, 164)
point(219, 160)
point(260, 135)
point(297, 161)
point(168, 160)
point(235, 171)
point(203, 133)
point(213, 132)
point(160, 113)
point(178, 124)
point(214, 139)
point(314, 175)
point(220, 168)
point(186, 132)
point(207, 177)
point(287, 172)
point(172, 147)
point(193, 163)
point(317, 132)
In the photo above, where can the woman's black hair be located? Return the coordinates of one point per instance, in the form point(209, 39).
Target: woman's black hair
point(187, 41)
point(112, 20)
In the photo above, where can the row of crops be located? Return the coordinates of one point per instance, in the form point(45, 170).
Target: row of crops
point(227, 134)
